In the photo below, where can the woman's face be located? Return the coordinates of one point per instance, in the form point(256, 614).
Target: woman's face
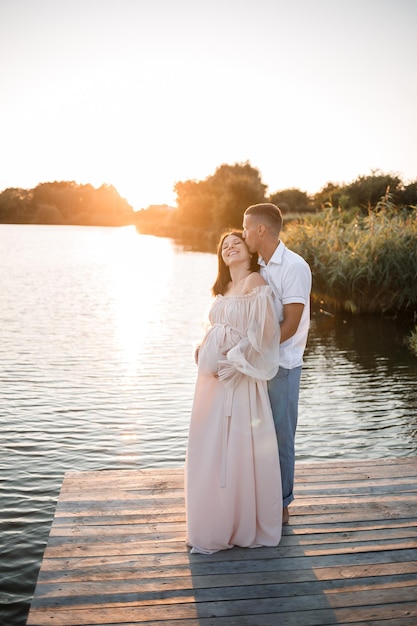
point(234, 250)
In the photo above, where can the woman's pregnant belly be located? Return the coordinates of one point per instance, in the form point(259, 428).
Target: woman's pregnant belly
point(215, 346)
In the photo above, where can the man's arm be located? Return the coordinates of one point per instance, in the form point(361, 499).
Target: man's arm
point(292, 317)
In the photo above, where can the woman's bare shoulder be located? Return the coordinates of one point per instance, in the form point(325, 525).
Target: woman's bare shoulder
point(254, 280)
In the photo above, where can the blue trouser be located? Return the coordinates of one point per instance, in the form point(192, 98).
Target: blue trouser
point(283, 391)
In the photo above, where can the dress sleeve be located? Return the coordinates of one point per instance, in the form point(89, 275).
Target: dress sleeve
point(257, 354)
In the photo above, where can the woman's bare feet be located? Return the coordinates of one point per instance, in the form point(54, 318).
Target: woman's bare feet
point(285, 515)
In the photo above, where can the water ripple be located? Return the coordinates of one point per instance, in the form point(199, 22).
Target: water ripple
point(97, 371)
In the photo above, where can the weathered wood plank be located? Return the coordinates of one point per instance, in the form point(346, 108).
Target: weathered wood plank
point(261, 612)
point(150, 591)
point(84, 570)
point(116, 554)
point(145, 533)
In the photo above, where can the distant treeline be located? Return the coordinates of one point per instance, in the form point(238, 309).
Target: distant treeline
point(206, 207)
point(65, 203)
point(203, 207)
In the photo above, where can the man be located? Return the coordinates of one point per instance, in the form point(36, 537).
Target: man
point(289, 276)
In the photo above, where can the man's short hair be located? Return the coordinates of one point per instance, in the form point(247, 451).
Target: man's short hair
point(269, 213)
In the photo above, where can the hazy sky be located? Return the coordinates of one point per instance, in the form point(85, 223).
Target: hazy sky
point(141, 94)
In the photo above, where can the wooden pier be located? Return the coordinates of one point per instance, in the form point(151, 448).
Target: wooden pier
point(116, 554)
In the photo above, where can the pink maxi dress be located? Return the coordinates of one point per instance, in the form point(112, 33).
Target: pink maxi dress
point(232, 475)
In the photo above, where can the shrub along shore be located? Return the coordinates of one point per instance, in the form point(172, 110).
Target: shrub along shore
point(362, 264)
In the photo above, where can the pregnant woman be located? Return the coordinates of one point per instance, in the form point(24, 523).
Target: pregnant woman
point(232, 475)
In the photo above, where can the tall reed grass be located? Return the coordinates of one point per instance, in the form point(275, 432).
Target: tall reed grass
point(412, 341)
point(361, 264)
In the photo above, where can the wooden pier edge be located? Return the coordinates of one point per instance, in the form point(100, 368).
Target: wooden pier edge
point(116, 553)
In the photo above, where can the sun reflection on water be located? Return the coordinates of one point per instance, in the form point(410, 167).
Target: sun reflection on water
point(140, 272)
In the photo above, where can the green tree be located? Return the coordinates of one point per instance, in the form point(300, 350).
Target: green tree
point(219, 201)
point(234, 188)
point(60, 195)
point(194, 202)
point(366, 191)
point(65, 202)
point(47, 214)
point(408, 197)
point(109, 209)
point(330, 195)
point(291, 201)
point(15, 206)
point(81, 204)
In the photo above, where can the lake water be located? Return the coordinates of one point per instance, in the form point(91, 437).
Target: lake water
point(97, 331)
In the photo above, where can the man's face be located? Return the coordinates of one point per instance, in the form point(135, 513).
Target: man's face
point(250, 233)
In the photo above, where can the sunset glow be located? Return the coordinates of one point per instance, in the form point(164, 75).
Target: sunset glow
point(141, 94)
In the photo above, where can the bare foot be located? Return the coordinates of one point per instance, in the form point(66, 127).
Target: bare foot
point(285, 515)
